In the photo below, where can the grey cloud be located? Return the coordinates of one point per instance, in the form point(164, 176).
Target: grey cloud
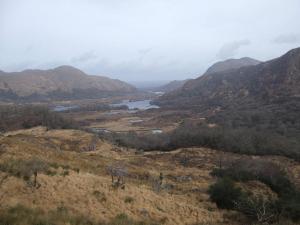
point(87, 56)
point(230, 49)
point(287, 39)
point(143, 53)
point(142, 40)
point(134, 70)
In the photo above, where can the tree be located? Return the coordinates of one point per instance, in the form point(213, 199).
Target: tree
point(224, 193)
point(119, 171)
point(258, 208)
point(33, 167)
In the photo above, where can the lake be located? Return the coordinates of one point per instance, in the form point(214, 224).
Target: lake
point(142, 105)
point(61, 108)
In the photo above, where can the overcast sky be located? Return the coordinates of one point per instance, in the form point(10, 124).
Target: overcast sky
point(136, 40)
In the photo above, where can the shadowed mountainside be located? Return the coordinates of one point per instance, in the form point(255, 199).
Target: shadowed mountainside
point(266, 82)
point(171, 86)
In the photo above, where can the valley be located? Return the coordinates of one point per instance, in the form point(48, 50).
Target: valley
point(214, 151)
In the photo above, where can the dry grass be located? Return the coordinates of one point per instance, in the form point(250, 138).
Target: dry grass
point(87, 188)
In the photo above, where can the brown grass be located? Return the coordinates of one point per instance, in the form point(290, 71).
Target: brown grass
point(182, 199)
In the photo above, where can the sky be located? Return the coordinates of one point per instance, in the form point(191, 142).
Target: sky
point(143, 40)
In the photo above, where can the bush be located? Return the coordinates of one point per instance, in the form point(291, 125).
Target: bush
point(263, 210)
point(128, 199)
point(243, 140)
point(27, 116)
point(258, 208)
point(263, 171)
point(224, 193)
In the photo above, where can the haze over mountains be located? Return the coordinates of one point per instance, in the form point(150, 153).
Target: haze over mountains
point(268, 81)
point(64, 82)
point(171, 86)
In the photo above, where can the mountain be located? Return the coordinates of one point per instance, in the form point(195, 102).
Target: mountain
point(231, 64)
point(275, 80)
point(171, 86)
point(64, 82)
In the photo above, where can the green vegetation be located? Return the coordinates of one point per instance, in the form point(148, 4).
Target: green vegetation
point(260, 138)
point(20, 215)
point(259, 208)
point(128, 199)
point(246, 128)
point(224, 193)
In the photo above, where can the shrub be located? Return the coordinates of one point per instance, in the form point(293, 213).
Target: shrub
point(27, 116)
point(128, 199)
point(25, 169)
point(224, 193)
point(261, 170)
point(100, 196)
point(258, 208)
point(261, 209)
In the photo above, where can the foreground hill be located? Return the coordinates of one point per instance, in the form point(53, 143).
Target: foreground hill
point(74, 185)
point(266, 82)
point(63, 82)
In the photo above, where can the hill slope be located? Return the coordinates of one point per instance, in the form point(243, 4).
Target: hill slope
point(61, 82)
point(74, 181)
point(231, 64)
point(171, 86)
point(265, 82)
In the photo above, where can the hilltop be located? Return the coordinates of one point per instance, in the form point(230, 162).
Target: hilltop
point(64, 82)
point(262, 83)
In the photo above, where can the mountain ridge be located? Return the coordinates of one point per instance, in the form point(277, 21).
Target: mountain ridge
point(62, 79)
point(267, 81)
point(231, 64)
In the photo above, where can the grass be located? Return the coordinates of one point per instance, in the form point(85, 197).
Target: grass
point(100, 196)
point(21, 215)
point(128, 199)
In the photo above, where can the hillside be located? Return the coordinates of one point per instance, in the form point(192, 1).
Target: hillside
point(231, 64)
point(266, 82)
point(171, 86)
point(64, 82)
point(74, 181)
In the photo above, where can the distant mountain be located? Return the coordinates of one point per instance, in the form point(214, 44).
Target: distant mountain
point(171, 86)
point(231, 64)
point(64, 82)
point(275, 80)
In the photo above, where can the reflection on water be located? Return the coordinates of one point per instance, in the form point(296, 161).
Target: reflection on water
point(135, 121)
point(61, 108)
point(157, 131)
point(142, 105)
point(100, 130)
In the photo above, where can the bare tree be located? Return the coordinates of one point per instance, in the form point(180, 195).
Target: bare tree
point(119, 172)
point(33, 167)
point(258, 208)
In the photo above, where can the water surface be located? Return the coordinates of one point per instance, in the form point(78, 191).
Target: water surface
point(141, 105)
